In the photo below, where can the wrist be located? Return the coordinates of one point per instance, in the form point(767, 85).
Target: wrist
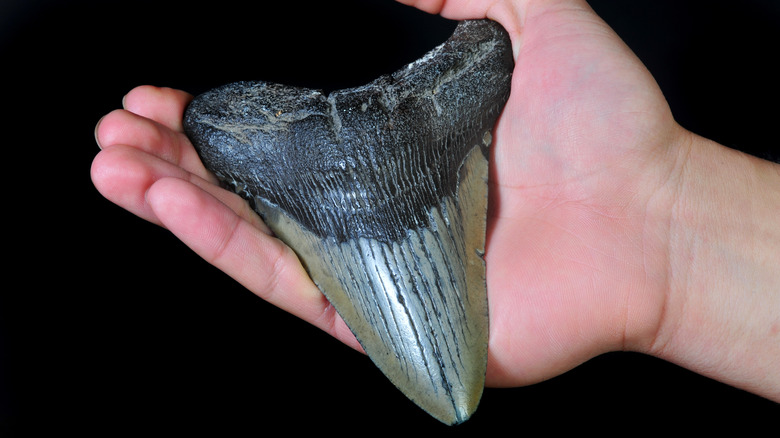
point(721, 315)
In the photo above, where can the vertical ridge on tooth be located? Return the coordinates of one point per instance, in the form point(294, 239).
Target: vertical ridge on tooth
point(418, 304)
point(381, 191)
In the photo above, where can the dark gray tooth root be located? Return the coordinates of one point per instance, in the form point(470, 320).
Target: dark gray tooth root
point(381, 190)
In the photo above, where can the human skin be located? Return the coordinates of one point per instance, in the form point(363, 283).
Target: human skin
point(611, 227)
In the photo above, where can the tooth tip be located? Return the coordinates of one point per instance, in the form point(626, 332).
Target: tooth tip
point(462, 413)
point(455, 411)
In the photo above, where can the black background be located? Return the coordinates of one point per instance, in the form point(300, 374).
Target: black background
point(110, 325)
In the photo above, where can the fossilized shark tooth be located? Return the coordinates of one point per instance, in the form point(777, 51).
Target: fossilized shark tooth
point(381, 190)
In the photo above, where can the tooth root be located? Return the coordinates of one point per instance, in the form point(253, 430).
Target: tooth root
point(381, 190)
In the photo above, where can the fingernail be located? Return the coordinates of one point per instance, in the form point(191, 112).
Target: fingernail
point(96, 132)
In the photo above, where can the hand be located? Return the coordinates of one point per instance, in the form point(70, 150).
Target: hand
point(148, 166)
point(587, 173)
point(576, 251)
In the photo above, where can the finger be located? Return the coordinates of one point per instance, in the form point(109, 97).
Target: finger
point(466, 9)
point(123, 174)
point(456, 9)
point(260, 262)
point(163, 105)
point(507, 12)
point(429, 6)
point(121, 127)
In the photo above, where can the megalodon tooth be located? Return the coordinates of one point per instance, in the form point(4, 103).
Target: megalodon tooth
point(381, 190)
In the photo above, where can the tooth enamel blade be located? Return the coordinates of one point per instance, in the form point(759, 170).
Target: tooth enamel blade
point(381, 191)
point(418, 304)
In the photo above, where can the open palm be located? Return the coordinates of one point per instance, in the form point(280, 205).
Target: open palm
point(575, 259)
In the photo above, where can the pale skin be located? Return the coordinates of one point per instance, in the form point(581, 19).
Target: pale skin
point(611, 227)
